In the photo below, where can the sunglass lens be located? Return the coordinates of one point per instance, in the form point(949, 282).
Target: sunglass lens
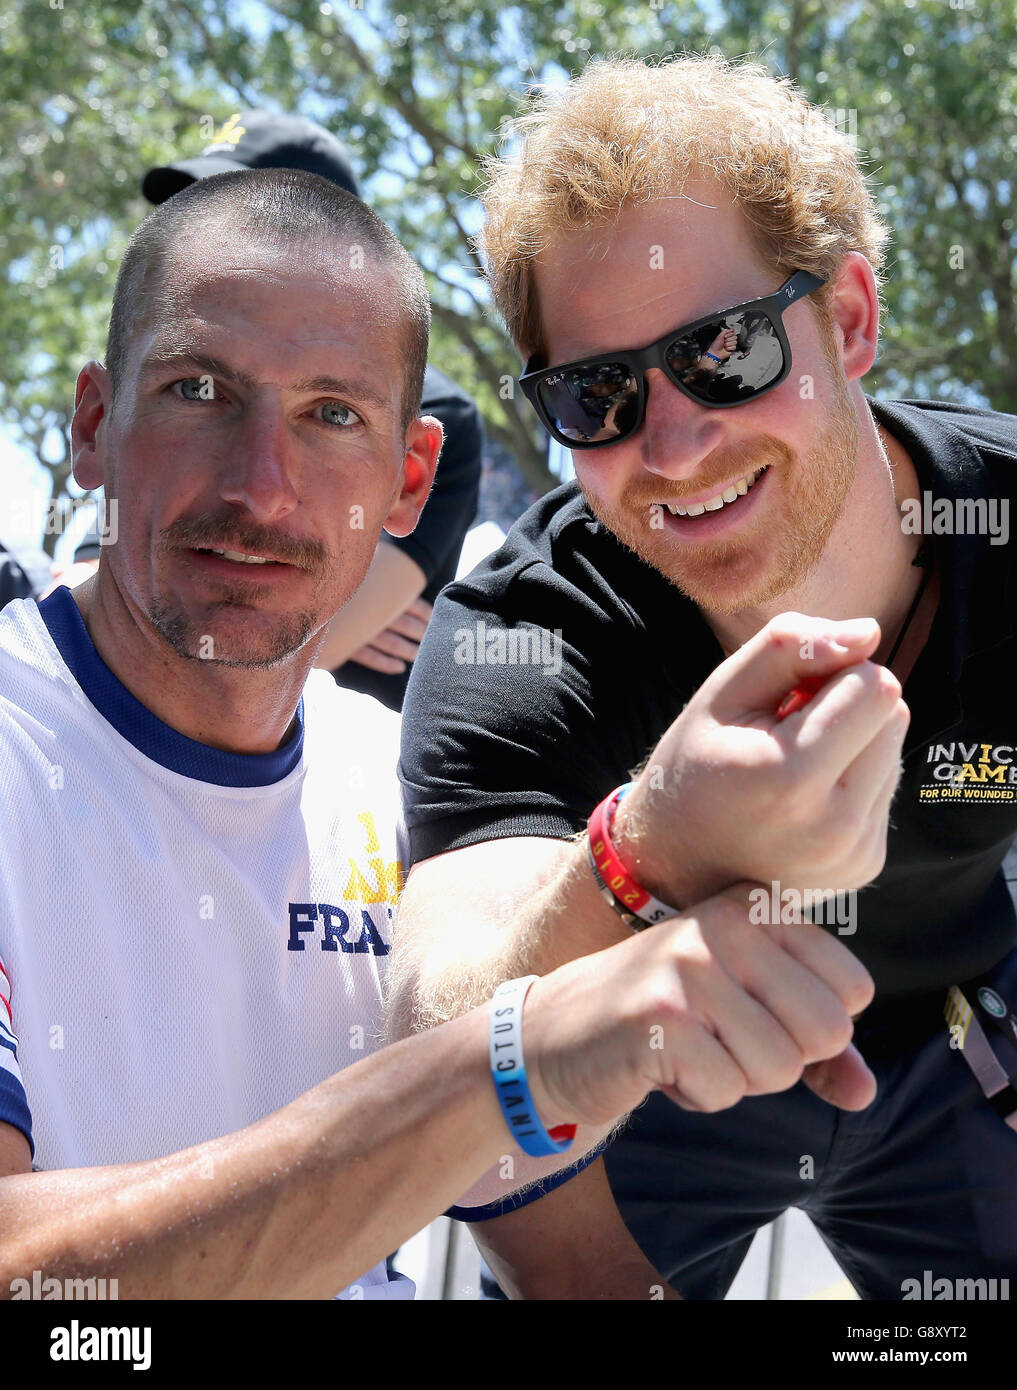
point(731, 359)
point(591, 404)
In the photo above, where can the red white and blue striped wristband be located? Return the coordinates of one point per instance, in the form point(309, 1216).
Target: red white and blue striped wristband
point(636, 907)
point(509, 1072)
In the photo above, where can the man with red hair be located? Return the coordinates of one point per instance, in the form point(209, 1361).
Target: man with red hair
point(653, 220)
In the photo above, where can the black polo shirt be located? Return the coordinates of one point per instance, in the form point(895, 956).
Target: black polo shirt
point(501, 748)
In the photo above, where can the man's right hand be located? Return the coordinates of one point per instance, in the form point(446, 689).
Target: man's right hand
point(708, 1008)
point(732, 792)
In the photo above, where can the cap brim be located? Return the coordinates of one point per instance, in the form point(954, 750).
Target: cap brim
point(160, 184)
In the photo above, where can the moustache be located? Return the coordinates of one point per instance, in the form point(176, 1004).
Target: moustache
point(233, 534)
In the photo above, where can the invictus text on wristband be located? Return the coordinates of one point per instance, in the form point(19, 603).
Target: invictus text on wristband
point(508, 1071)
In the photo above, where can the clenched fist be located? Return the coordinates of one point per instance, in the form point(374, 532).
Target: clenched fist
point(708, 1008)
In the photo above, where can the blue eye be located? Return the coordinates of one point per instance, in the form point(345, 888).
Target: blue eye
point(196, 388)
point(335, 414)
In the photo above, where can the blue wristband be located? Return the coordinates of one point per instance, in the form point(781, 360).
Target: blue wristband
point(717, 359)
point(508, 1071)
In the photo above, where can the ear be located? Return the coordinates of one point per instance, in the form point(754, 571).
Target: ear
point(92, 397)
point(855, 305)
point(424, 439)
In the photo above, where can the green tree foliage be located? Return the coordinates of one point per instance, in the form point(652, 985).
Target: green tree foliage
point(94, 93)
point(929, 88)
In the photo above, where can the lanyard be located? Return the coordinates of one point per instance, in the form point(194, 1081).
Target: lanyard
point(997, 1085)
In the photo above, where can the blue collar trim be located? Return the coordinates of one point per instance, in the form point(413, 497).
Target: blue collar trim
point(139, 725)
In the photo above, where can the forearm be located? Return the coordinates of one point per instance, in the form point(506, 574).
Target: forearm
point(564, 918)
point(297, 1205)
point(581, 1272)
point(391, 584)
point(568, 918)
point(441, 968)
point(571, 1244)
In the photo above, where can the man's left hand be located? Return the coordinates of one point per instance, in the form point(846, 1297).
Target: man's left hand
point(390, 650)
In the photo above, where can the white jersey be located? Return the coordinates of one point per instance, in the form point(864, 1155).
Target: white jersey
point(190, 938)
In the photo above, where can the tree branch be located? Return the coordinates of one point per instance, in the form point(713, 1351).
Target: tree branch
point(454, 285)
point(212, 53)
point(135, 62)
point(995, 272)
point(411, 113)
point(463, 234)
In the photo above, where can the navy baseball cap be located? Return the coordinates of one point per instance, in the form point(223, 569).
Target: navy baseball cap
point(258, 140)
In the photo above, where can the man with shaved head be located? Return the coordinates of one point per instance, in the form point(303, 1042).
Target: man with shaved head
point(229, 261)
point(371, 641)
point(211, 833)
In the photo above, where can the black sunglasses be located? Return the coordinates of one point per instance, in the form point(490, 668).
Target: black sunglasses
point(725, 359)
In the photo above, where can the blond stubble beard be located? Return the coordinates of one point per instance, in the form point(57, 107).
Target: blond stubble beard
point(728, 576)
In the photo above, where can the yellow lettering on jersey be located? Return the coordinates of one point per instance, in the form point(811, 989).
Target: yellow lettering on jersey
point(366, 819)
point(982, 773)
point(388, 882)
point(388, 877)
point(358, 887)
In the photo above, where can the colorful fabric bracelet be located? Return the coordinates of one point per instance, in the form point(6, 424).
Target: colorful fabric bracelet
point(636, 907)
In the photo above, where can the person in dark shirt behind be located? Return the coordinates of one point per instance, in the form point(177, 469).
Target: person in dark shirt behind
point(372, 642)
point(15, 580)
